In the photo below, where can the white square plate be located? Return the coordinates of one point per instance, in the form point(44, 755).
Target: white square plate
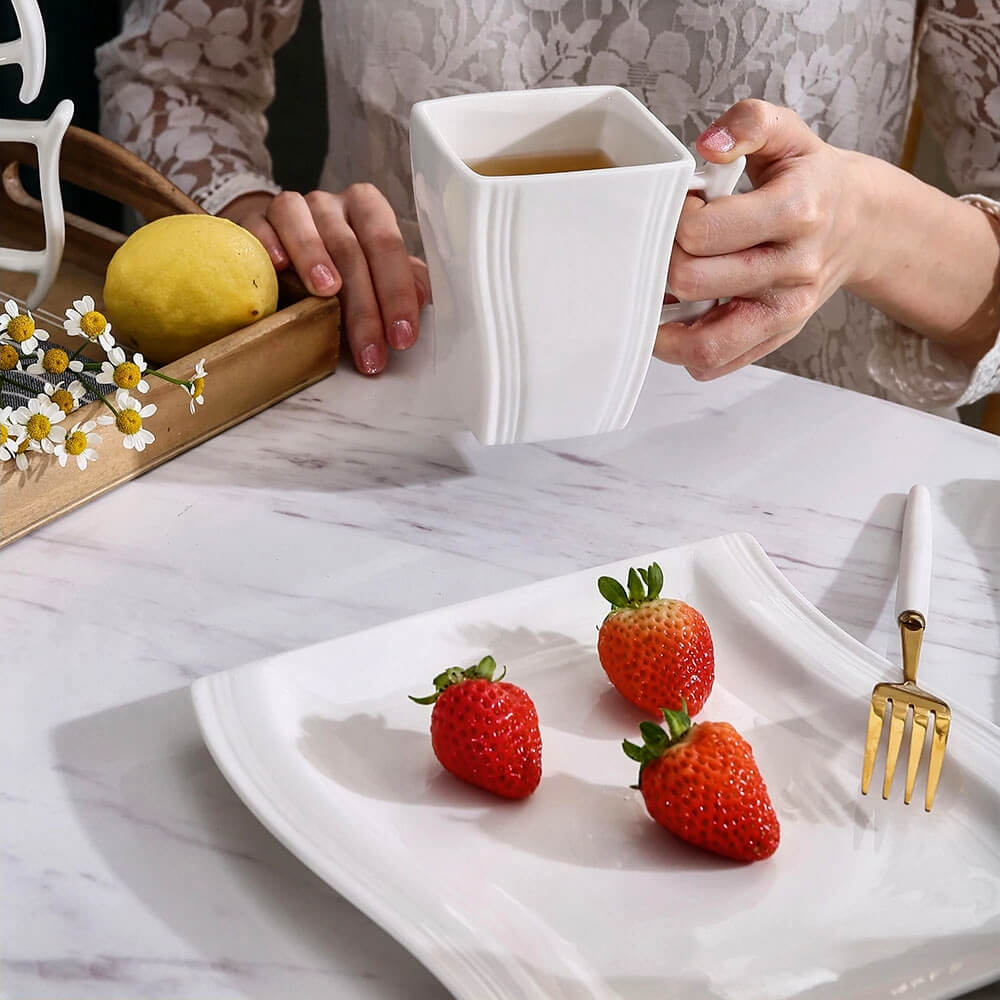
point(575, 892)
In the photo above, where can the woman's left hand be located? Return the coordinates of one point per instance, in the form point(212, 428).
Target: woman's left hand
point(777, 252)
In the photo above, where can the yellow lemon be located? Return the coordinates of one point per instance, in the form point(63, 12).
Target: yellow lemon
point(183, 281)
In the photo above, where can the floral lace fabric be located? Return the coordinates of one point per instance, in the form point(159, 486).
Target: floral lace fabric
point(187, 82)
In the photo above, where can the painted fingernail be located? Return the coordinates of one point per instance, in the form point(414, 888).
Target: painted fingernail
point(401, 335)
point(278, 257)
point(370, 359)
point(322, 278)
point(717, 138)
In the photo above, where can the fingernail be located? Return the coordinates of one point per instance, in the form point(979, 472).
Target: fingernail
point(400, 335)
point(278, 257)
point(370, 359)
point(717, 138)
point(322, 278)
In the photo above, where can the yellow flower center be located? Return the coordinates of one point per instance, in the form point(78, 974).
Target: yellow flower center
point(56, 361)
point(199, 387)
point(21, 328)
point(38, 427)
point(129, 421)
point(127, 375)
point(92, 324)
point(76, 443)
point(3, 435)
point(63, 399)
point(8, 358)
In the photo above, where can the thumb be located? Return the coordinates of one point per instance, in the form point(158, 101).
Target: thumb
point(758, 130)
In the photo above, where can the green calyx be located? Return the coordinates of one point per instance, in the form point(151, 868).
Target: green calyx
point(483, 670)
point(656, 740)
point(644, 585)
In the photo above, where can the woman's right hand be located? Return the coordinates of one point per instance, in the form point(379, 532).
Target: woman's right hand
point(347, 243)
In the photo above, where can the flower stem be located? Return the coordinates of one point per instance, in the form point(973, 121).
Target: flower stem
point(81, 349)
point(104, 400)
point(167, 378)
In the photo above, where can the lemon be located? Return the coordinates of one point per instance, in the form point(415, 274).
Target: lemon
point(183, 281)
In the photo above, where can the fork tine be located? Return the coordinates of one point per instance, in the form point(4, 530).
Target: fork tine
point(876, 715)
point(917, 737)
point(939, 738)
point(896, 723)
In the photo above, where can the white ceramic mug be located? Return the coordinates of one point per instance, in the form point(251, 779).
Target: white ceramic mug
point(548, 288)
point(29, 52)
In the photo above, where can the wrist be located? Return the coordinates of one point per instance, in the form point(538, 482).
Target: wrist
point(873, 192)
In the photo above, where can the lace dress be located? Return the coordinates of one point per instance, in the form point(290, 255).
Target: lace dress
point(187, 82)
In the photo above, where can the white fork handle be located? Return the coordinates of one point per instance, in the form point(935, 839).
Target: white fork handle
point(28, 50)
point(913, 591)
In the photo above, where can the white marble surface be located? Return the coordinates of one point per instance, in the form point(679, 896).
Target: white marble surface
point(131, 869)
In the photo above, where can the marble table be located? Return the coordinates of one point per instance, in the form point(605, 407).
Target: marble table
point(129, 866)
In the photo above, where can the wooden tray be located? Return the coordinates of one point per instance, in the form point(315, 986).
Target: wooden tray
point(248, 371)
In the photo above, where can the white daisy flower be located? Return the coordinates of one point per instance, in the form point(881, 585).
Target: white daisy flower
point(11, 434)
point(78, 445)
point(21, 459)
point(121, 372)
point(83, 320)
point(68, 397)
point(197, 388)
point(53, 361)
point(129, 421)
point(39, 420)
point(19, 328)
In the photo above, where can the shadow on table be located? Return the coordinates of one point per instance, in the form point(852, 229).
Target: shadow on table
point(160, 814)
point(973, 506)
point(863, 587)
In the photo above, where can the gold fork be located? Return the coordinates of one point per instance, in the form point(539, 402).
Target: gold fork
point(912, 601)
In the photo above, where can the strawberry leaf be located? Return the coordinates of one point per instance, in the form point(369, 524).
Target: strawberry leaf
point(636, 591)
point(613, 592)
point(654, 581)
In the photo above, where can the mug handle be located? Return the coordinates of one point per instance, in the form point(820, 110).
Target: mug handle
point(714, 180)
point(28, 50)
point(47, 137)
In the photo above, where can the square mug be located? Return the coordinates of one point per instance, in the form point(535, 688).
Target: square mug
point(548, 287)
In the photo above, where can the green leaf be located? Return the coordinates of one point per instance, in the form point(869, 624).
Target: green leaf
point(677, 722)
point(656, 739)
point(632, 751)
point(428, 700)
point(485, 667)
point(655, 578)
point(636, 591)
point(644, 574)
point(612, 591)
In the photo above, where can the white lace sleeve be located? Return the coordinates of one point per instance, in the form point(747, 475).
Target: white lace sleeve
point(186, 84)
point(958, 89)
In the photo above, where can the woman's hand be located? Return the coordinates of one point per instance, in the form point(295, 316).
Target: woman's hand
point(777, 252)
point(348, 243)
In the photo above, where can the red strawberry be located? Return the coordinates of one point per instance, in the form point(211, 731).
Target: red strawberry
point(702, 784)
point(485, 731)
point(655, 650)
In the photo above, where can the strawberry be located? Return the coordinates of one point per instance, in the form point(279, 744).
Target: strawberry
point(702, 784)
point(485, 731)
point(657, 651)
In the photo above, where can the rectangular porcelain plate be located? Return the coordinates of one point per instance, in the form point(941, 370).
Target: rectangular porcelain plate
point(574, 892)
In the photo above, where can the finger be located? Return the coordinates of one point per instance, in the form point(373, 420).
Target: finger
point(758, 130)
point(423, 281)
point(292, 221)
point(359, 307)
point(748, 358)
point(726, 333)
point(779, 212)
point(746, 274)
point(264, 231)
point(374, 223)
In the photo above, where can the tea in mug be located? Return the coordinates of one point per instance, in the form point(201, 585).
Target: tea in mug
point(561, 162)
